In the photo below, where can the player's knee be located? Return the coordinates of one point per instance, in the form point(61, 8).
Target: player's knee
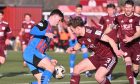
point(49, 67)
point(128, 62)
point(77, 69)
point(2, 61)
point(99, 78)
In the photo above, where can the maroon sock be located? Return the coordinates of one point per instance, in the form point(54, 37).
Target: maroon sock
point(75, 79)
point(129, 74)
point(105, 81)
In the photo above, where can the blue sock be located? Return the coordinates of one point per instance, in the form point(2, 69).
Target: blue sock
point(46, 76)
point(34, 82)
point(85, 55)
point(71, 62)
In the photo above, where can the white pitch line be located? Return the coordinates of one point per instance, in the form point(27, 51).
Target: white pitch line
point(85, 82)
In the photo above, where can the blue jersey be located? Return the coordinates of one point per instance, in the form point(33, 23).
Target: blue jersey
point(39, 40)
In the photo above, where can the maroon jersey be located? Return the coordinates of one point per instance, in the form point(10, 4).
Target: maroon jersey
point(92, 40)
point(84, 18)
point(5, 32)
point(127, 25)
point(105, 21)
point(27, 26)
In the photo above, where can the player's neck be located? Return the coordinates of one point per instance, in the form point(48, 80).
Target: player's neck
point(129, 15)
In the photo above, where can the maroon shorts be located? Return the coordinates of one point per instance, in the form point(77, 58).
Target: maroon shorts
point(132, 51)
point(107, 62)
point(2, 49)
point(25, 39)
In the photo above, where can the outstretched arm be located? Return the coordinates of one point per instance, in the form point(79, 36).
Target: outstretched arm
point(135, 36)
point(113, 45)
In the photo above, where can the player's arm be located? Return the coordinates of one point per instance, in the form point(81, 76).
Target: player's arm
point(8, 35)
point(113, 45)
point(21, 31)
point(135, 36)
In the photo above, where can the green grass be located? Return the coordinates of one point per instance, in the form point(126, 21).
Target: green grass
point(13, 72)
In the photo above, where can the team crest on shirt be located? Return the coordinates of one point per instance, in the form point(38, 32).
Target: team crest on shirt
point(131, 20)
point(3, 28)
point(107, 20)
point(40, 24)
point(29, 26)
point(122, 21)
point(88, 30)
point(88, 39)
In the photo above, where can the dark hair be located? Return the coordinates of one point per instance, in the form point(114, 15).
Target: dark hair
point(111, 5)
point(27, 14)
point(79, 5)
point(130, 2)
point(1, 12)
point(57, 12)
point(75, 22)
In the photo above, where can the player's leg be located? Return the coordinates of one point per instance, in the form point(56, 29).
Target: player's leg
point(106, 67)
point(136, 59)
point(128, 63)
point(2, 60)
point(49, 68)
point(72, 56)
point(83, 66)
point(23, 48)
point(2, 54)
point(129, 71)
point(135, 72)
point(101, 77)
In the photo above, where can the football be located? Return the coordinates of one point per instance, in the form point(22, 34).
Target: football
point(59, 72)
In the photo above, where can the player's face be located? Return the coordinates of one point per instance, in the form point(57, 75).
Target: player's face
point(137, 9)
point(27, 18)
point(1, 16)
point(128, 9)
point(76, 31)
point(55, 20)
point(111, 11)
point(78, 10)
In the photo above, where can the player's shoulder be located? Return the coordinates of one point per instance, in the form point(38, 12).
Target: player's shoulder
point(120, 15)
point(136, 15)
point(4, 22)
point(42, 25)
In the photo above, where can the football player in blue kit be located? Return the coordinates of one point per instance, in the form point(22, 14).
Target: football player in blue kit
point(39, 63)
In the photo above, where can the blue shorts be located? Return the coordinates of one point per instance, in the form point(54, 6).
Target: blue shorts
point(32, 57)
point(72, 43)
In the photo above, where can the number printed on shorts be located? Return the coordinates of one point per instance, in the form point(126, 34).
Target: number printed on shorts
point(138, 57)
point(108, 60)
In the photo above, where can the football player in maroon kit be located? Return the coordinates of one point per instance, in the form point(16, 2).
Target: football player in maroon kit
point(129, 37)
point(27, 25)
point(103, 60)
point(5, 35)
point(107, 20)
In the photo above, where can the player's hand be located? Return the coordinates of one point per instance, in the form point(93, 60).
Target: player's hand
point(119, 53)
point(69, 50)
point(54, 62)
point(7, 42)
point(50, 35)
point(127, 39)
